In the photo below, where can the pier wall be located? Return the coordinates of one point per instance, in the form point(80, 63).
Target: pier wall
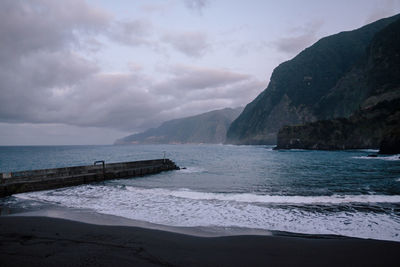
point(45, 179)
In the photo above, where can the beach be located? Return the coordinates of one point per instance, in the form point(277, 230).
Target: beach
point(45, 241)
point(231, 206)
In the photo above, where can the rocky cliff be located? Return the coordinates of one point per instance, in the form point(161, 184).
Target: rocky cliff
point(324, 81)
point(210, 127)
point(365, 129)
point(372, 85)
point(390, 143)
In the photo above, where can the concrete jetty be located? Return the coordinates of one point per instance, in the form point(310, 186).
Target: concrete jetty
point(45, 179)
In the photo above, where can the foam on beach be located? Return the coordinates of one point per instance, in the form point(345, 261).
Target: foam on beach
point(351, 215)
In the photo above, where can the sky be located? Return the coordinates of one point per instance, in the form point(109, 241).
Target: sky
point(75, 72)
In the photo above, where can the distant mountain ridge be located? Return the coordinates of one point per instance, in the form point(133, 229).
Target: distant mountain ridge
point(209, 127)
point(324, 81)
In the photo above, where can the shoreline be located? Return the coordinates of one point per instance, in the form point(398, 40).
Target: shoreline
point(95, 218)
point(102, 219)
point(46, 241)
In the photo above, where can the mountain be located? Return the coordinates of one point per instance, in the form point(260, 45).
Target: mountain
point(210, 127)
point(364, 129)
point(322, 82)
point(373, 85)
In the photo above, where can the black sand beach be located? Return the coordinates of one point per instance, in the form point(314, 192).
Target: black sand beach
point(43, 241)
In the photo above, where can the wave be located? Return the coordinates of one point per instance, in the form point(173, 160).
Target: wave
point(188, 208)
point(192, 170)
point(369, 150)
point(268, 199)
point(389, 158)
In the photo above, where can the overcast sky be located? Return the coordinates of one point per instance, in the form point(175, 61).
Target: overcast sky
point(89, 72)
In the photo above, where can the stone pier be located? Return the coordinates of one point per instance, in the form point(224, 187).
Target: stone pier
point(45, 179)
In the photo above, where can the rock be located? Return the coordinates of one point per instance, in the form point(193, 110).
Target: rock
point(390, 144)
point(365, 129)
point(376, 122)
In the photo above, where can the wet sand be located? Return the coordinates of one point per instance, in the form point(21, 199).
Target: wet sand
point(44, 241)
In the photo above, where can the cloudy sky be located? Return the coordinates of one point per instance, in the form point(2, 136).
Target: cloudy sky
point(88, 72)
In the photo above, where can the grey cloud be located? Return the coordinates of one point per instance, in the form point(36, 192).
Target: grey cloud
point(186, 78)
point(53, 134)
point(237, 94)
point(192, 44)
point(293, 45)
point(130, 102)
point(196, 90)
point(35, 52)
point(383, 8)
point(28, 88)
point(196, 5)
point(30, 26)
point(90, 44)
point(46, 81)
point(118, 101)
point(299, 38)
point(195, 107)
point(133, 33)
point(159, 7)
point(193, 103)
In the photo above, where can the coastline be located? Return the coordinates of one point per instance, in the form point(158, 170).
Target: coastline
point(91, 217)
point(46, 241)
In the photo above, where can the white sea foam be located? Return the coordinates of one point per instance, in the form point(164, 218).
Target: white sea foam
point(191, 208)
point(251, 198)
point(192, 170)
point(369, 150)
point(389, 158)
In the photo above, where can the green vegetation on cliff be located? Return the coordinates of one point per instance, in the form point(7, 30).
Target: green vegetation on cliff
point(210, 127)
point(373, 85)
point(310, 86)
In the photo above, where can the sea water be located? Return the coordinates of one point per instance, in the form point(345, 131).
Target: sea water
point(314, 192)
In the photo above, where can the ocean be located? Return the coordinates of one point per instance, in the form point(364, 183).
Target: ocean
point(313, 192)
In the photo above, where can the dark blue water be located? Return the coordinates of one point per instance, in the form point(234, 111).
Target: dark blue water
point(342, 192)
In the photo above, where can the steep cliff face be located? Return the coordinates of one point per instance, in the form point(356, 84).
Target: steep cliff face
point(375, 90)
point(210, 127)
point(390, 143)
point(365, 129)
point(307, 88)
point(375, 78)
